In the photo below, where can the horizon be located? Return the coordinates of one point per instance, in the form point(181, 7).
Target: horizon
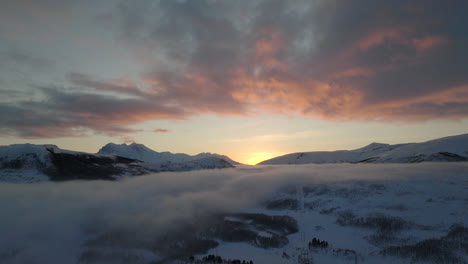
point(250, 80)
point(192, 154)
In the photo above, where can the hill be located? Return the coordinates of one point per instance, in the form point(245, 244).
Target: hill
point(453, 148)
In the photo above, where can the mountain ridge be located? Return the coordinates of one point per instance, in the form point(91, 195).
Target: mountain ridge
point(27, 163)
point(143, 153)
point(451, 148)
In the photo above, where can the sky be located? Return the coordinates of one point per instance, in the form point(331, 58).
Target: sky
point(248, 79)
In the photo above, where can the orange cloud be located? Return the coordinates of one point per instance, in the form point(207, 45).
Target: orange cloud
point(429, 42)
point(380, 36)
point(353, 72)
point(161, 130)
point(329, 60)
point(267, 45)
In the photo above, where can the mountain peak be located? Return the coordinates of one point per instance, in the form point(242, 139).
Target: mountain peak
point(143, 153)
point(140, 147)
point(373, 146)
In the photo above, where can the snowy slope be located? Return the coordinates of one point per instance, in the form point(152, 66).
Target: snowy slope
point(338, 156)
point(368, 221)
point(143, 153)
point(454, 148)
point(31, 154)
point(433, 150)
point(197, 164)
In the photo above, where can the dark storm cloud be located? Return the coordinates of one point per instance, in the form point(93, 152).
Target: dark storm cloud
point(333, 60)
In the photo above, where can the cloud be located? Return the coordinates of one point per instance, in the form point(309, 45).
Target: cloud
point(30, 61)
point(127, 140)
point(331, 60)
point(64, 112)
point(161, 130)
point(52, 222)
point(116, 87)
point(44, 20)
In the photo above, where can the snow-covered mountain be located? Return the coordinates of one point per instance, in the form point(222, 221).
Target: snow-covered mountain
point(32, 163)
point(143, 153)
point(196, 164)
point(35, 163)
point(454, 148)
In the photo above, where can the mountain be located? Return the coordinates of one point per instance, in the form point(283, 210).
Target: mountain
point(35, 163)
point(143, 153)
point(196, 164)
point(454, 148)
point(31, 163)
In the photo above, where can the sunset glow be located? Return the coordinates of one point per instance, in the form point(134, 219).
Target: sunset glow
point(248, 80)
point(255, 158)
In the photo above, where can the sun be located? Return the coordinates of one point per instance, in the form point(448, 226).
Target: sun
point(257, 157)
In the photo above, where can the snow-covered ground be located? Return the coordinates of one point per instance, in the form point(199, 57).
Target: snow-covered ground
point(431, 205)
point(361, 210)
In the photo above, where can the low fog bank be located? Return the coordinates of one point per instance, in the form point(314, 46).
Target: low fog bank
point(50, 222)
